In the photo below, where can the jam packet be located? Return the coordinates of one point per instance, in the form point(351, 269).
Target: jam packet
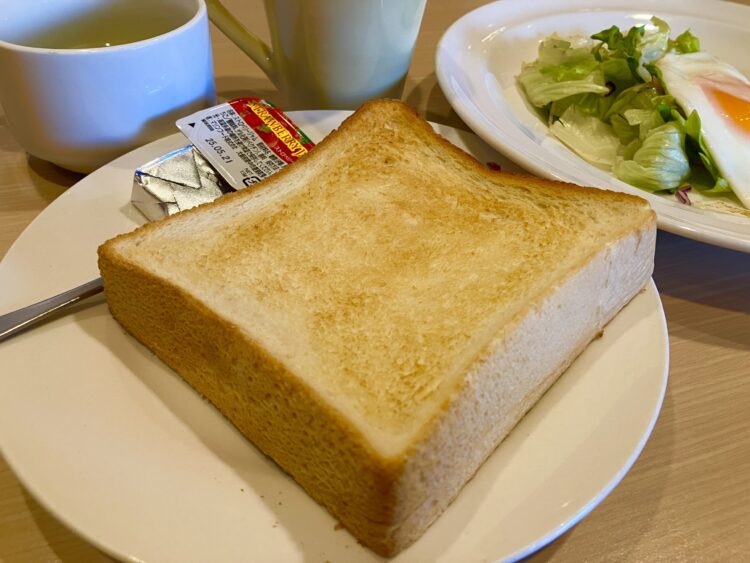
point(245, 140)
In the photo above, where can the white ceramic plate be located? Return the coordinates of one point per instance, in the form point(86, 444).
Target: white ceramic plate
point(481, 54)
point(118, 447)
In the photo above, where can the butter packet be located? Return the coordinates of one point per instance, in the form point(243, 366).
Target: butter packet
point(176, 181)
point(235, 145)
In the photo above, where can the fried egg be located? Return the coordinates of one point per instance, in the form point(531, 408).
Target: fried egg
point(721, 96)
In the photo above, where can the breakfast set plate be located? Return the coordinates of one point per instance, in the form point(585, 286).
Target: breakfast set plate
point(480, 56)
point(119, 448)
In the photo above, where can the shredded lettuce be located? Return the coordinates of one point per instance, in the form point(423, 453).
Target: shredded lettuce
point(604, 98)
point(561, 70)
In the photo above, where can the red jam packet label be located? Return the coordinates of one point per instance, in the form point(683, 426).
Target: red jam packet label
point(245, 140)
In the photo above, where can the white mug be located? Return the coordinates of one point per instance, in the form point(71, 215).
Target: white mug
point(84, 81)
point(331, 53)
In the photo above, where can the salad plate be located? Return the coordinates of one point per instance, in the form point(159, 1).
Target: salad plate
point(480, 56)
point(120, 449)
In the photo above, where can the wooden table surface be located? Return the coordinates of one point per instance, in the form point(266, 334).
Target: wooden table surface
point(687, 498)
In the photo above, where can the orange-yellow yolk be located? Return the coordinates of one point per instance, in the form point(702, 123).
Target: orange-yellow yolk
point(733, 108)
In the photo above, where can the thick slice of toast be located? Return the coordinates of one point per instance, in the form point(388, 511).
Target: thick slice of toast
point(379, 315)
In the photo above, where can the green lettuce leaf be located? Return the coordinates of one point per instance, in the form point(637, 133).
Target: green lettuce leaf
point(617, 44)
point(631, 148)
point(624, 131)
point(641, 46)
point(685, 42)
point(655, 41)
point(618, 73)
point(588, 136)
point(541, 88)
point(562, 69)
point(645, 119)
point(589, 103)
point(696, 147)
point(556, 51)
point(635, 97)
point(660, 163)
point(574, 70)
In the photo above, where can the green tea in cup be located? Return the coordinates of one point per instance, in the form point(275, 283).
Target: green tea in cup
point(105, 25)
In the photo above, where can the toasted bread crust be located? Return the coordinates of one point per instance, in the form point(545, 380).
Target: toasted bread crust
point(409, 114)
point(386, 475)
point(276, 410)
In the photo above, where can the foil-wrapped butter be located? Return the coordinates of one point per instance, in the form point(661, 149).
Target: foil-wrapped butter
point(235, 145)
point(174, 182)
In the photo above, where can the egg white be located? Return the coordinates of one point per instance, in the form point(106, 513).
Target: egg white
point(687, 78)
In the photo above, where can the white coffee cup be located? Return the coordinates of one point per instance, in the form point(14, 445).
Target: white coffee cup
point(83, 81)
point(331, 53)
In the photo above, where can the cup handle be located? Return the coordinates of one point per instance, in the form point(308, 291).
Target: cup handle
point(253, 47)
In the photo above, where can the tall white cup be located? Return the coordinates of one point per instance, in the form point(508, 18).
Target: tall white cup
point(83, 81)
point(331, 53)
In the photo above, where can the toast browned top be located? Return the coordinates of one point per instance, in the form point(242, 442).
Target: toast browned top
point(379, 267)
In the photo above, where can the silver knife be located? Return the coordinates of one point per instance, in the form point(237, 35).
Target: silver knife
point(16, 321)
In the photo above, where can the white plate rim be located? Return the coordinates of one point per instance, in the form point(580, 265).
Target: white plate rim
point(160, 147)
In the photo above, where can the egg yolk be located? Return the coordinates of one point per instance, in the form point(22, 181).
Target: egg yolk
point(733, 108)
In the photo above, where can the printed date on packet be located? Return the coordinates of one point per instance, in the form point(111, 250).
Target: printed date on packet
point(246, 140)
